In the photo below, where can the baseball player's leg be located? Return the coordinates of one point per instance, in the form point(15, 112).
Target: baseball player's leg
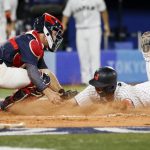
point(13, 78)
point(14, 4)
point(84, 56)
point(148, 69)
point(94, 48)
point(3, 35)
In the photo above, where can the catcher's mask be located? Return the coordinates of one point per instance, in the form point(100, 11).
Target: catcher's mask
point(104, 81)
point(52, 29)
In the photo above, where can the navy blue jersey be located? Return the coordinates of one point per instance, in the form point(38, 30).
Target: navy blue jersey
point(25, 48)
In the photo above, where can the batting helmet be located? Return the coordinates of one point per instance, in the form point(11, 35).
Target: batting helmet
point(48, 24)
point(105, 79)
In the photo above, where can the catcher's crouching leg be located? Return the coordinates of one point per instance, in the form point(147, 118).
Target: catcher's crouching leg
point(23, 93)
point(20, 95)
point(17, 96)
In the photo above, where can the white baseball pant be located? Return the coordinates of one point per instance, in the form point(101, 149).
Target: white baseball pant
point(13, 78)
point(148, 69)
point(88, 46)
point(3, 35)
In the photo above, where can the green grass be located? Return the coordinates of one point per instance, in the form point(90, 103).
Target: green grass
point(80, 141)
point(6, 92)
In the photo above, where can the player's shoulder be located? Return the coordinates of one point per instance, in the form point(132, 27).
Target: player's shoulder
point(31, 33)
point(35, 44)
point(122, 90)
point(143, 85)
point(121, 86)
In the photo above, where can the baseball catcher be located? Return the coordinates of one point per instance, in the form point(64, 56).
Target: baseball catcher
point(22, 65)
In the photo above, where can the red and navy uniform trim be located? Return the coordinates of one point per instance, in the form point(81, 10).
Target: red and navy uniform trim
point(29, 49)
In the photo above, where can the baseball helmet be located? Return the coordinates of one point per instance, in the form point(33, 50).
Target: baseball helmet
point(48, 24)
point(105, 78)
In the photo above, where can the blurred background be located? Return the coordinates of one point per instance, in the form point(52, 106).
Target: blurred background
point(128, 20)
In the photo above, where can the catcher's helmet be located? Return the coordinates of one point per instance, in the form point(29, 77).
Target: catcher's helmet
point(105, 79)
point(48, 24)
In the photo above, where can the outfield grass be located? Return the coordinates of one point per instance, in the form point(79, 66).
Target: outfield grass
point(80, 141)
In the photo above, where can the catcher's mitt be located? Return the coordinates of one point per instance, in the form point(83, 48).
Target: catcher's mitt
point(67, 94)
point(145, 41)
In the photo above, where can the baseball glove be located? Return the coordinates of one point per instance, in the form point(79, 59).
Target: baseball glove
point(67, 94)
point(145, 41)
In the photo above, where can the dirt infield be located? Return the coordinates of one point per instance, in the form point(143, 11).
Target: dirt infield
point(44, 114)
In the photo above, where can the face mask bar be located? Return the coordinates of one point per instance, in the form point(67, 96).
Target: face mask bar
point(58, 41)
point(54, 41)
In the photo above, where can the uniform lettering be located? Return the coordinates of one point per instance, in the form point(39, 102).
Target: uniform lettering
point(89, 8)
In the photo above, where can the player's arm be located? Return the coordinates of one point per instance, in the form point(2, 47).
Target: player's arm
point(8, 16)
point(65, 20)
point(127, 102)
point(42, 64)
point(54, 84)
point(105, 19)
point(84, 98)
point(73, 102)
point(36, 79)
point(7, 9)
point(66, 14)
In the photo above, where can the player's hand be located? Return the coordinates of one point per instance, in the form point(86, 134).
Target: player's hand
point(53, 97)
point(107, 31)
point(64, 28)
